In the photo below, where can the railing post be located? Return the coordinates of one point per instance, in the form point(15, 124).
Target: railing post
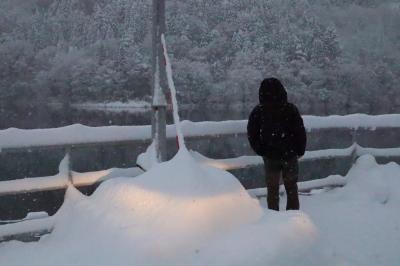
point(354, 153)
point(159, 103)
point(69, 165)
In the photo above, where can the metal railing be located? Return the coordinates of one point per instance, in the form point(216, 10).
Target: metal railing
point(26, 140)
point(78, 136)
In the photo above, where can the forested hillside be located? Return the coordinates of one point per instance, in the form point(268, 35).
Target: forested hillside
point(334, 56)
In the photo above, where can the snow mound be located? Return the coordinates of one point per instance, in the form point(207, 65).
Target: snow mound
point(359, 224)
point(148, 158)
point(370, 182)
point(178, 213)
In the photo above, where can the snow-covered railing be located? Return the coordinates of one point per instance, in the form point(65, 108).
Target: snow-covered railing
point(354, 150)
point(30, 227)
point(306, 186)
point(18, 139)
point(61, 180)
point(78, 135)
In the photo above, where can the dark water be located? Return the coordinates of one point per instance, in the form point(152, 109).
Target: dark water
point(50, 117)
point(45, 162)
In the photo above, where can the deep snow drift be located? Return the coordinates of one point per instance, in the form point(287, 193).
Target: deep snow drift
point(184, 213)
point(359, 224)
point(178, 213)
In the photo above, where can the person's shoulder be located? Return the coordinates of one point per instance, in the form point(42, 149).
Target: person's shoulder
point(256, 109)
point(291, 107)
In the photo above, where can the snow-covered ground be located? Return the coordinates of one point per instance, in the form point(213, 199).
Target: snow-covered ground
point(359, 224)
point(183, 212)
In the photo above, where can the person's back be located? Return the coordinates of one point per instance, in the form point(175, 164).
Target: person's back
point(276, 132)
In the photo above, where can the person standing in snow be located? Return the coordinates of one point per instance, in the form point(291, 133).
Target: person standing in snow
point(276, 132)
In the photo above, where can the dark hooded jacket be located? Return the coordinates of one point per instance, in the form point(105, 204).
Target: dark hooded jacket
point(275, 128)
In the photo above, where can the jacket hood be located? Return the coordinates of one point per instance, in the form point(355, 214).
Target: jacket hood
point(272, 91)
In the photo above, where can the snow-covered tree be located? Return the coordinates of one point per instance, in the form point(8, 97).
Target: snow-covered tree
point(348, 49)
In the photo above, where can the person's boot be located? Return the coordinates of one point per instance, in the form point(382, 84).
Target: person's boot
point(273, 199)
point(292, 197)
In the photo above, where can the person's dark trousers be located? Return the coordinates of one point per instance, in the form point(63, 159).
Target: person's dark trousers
point(289, 169)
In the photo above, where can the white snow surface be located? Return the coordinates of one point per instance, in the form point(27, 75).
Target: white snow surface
point(353, 121)
point(252, 160)
point(359, 224)
point(182, 212)
point(147, 159)
point(178, 213)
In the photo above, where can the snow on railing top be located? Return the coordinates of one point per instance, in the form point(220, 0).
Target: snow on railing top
point(60, 181)
point(352, 121)
point(77, 134)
